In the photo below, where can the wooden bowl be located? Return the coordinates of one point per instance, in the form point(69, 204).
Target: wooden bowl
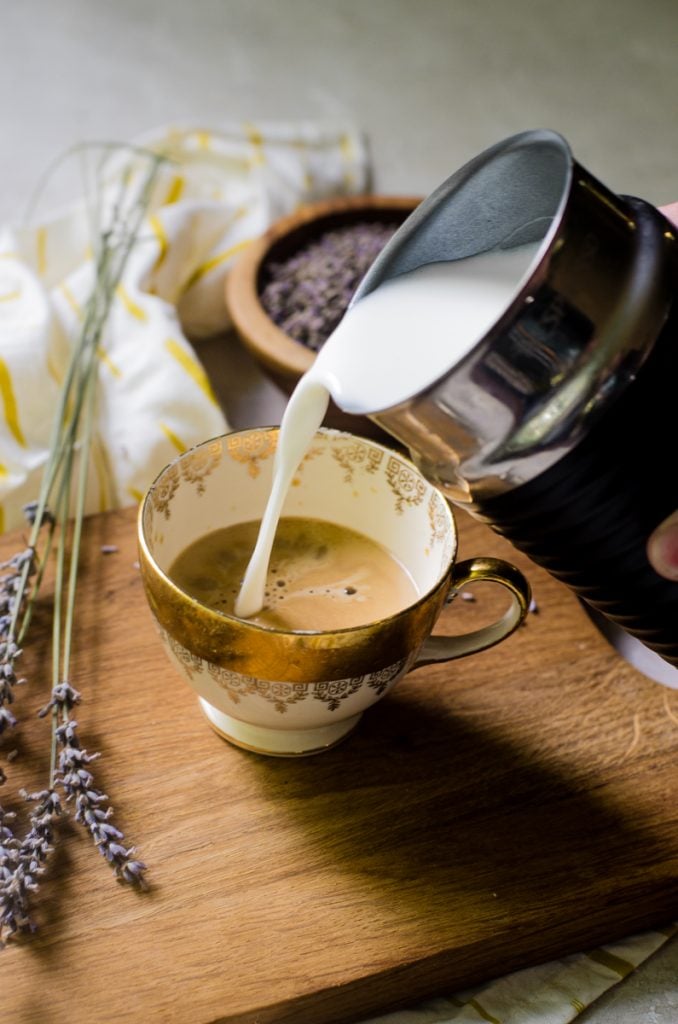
point(279, 355)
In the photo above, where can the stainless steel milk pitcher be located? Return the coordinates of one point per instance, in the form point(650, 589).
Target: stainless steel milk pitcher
point(558, 427)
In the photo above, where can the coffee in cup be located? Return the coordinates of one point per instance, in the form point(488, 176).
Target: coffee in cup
point(321, 575)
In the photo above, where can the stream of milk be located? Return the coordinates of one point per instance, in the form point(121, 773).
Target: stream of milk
point(392, 344)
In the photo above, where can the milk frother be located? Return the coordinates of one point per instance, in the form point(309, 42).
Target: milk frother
point(558, 427)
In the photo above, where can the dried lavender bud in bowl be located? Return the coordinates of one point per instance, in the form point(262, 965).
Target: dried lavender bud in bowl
point(308, 294)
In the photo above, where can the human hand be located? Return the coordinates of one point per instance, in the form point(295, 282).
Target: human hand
point(671, 211)
point(662, 547)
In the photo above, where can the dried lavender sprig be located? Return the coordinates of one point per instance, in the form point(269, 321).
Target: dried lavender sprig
point(16, 607)
point(92, 807)
point(72, 772)
point(13, 894)
point(9, 652)
point(21, 567)
point(30, 511)
point(18, 571)
point(23, 862)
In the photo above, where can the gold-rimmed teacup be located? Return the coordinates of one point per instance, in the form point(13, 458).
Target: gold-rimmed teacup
point(289, 693)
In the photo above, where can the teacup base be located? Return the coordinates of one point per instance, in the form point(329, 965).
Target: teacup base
point(277, 742)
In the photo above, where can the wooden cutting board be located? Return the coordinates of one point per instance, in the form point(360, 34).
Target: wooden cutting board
point(488, 815)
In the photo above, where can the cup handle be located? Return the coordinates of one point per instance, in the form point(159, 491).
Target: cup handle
point(494, 570)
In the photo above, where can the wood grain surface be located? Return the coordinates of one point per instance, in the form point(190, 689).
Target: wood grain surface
point(489, 814)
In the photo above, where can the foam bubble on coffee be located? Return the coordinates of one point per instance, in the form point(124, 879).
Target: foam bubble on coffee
point(392, 344)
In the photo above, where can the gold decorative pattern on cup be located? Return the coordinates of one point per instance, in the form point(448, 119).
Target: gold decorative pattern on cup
point(280, 695)
point(356, 456)
point(405, 483)
point(311, 454)
point(333, 692)
point(197, 465)
point(252, 448)
point(380, 680)
point(194, 467)
point(191, 663)
point(438, 518)
point(164, 489)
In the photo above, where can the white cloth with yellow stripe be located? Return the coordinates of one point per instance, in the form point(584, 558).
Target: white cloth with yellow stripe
point(218, 190)
point(552, 993)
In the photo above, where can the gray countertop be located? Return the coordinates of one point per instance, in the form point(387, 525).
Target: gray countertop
point(430, 82)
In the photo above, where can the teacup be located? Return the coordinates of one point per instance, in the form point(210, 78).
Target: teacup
point(289, 693)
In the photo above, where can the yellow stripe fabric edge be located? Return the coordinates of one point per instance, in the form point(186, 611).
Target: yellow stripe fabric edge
point(9, 402)
point(53, 370)
point(158, 229)
point(191, 367)
point(41, 250)
point(215, 261)
point(256, 140)
point(100, 463)
point(132, 307)
point(482, 1012)
point(71, 299)
point(175, 190)
point(108, 362)
point(612, 962)
point(175, 441)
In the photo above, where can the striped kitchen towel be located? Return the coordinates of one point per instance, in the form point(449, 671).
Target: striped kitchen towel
point(217, 190)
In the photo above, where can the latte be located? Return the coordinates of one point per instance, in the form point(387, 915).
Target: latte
point(321, 576)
